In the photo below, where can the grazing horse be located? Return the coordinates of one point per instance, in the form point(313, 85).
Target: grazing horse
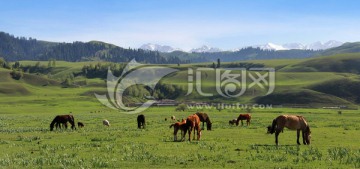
point(291, 122)
point(204, 118)
point(232, 122)
point(141, 121)
point(242, 117)
point(173, 118)
point(179, 125)
point(106, 123)
point(193, 123)
point(62, 119)
point(80, 125)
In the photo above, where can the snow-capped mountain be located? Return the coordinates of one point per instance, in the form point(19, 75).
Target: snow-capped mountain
point(205, 49)
point(270, 46)
point(294, 46)
point(318, 45)
point(156, 47)
point(314, 46)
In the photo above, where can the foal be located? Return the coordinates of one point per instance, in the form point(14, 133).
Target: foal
point(179, 125)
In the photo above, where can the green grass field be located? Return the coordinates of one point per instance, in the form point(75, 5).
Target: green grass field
point(28, 106)
point(27, 142)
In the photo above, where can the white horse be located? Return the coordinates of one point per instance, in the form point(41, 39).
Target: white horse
point(106, 123)
point(173, 118)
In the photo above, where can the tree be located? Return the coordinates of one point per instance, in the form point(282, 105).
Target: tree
point(17, 75)
point(218, 63)
point(54, 63)
point(213, 65)
point(16, 65)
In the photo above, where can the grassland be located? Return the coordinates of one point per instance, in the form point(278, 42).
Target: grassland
point(28, 106)
point(27, 142)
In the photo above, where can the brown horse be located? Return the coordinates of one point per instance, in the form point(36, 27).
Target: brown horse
point(204, 118)
point(141, 121)
point(242, 117)
point(232, 122)
point(291, 122)
point(193, 123)
point(63, 119)
point(179, 125)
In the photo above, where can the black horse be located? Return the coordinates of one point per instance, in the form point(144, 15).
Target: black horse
point(80, 125)
point(204, 118)
point(141, 121)
point(62, 119)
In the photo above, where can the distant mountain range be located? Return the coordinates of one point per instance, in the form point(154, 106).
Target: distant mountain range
point(269, 46)
point(20, 48)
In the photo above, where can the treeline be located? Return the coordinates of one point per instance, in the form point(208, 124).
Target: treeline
point(248, 53)
point(21, 48)
point(251, 53)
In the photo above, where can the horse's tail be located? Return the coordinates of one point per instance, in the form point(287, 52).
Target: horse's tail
point(171, 125)
point(53, 123)
point(273, 126)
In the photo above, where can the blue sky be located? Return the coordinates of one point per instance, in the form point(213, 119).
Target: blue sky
point(183, 23)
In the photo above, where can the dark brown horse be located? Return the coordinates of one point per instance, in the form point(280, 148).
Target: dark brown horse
point(63, 119)
point(291, 122)
point(193, 123)
point(242, 117)
point(232, 122)
point(80, 125)
point(179, 126)
point(141, 121)
point(204, 118)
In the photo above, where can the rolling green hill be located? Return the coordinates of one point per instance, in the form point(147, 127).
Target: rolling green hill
point(333, 80)
point(348, 62)
point(345, 48)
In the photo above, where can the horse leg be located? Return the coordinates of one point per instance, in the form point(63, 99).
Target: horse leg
point(198, 133)
point(303, 137)
point(183, 134)
point(276, 137)
point(190, 129)
point(175, 133)
point(242, 123)
point(297, 137)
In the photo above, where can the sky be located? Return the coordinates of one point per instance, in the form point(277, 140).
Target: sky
point(185, 24)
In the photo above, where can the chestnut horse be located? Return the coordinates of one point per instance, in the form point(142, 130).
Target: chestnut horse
point(179, 125)
point(291, 122)
point(141, 121)
point(242, 117)
point(63, 119)
point(204, 118)
point(193, 123)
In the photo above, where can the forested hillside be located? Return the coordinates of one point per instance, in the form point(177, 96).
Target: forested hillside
point(20, 48)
